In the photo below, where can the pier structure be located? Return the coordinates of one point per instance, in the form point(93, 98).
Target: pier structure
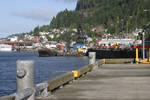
point(109, 82)
point(112, 79)
point(144, 60)
point(24, 43)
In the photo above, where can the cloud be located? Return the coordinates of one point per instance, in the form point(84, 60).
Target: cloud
point(44, 14)
point(68, 1)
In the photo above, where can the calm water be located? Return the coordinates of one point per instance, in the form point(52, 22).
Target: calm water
point(44, 67)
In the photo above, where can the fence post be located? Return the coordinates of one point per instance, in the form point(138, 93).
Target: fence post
point(92, 57)
point(25, 76)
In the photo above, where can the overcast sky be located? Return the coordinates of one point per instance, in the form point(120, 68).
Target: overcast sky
point(19, 16)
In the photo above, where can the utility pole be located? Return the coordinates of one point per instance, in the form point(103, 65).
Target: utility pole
point(66, 18)
point(127, 27)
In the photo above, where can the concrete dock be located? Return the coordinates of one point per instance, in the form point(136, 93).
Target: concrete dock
point(108, 82)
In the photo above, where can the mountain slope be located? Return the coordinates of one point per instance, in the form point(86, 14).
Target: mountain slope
point(114, 15)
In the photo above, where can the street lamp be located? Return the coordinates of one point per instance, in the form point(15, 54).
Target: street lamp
point(143, 33)
point(128, 26)
point(122, 28)
point(136, 29)
point(116, 27)
point(144, 30)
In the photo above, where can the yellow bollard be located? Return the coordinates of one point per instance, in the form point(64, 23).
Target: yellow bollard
point(77, 73)
point(104, 60)
point(137, 59)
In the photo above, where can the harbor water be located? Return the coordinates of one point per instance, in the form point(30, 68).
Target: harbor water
point(44, 67)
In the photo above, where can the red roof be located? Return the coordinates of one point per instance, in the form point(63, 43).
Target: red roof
point(97, 41)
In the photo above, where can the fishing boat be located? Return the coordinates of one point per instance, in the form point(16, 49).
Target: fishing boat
point(45, 52)
point(5, 47)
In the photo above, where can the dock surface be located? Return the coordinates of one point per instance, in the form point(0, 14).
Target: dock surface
point(108, 82)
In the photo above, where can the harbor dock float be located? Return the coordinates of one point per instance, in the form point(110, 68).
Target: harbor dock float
point(108, 82)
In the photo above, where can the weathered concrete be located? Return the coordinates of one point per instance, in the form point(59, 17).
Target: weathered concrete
point(92, 57)
point(119, 61)
point(60, 80)
point(25, 78)
point(109, 82)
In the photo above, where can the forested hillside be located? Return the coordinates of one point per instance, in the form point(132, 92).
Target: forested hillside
point(114, 15)
point(65, 19)
point(117, 16)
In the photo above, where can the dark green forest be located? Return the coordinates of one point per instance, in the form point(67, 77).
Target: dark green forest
point(118, 16)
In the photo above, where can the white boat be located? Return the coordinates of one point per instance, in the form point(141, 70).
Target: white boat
point(5, 47)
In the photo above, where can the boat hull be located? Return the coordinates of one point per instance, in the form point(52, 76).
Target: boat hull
point(104, 54)
point(47, 53)
point(5, 48)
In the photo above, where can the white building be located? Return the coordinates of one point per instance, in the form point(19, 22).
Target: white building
point(75, 30)
point(13, 38)
point(119, 41)
point(56, 30)
point(31, 37)
point(44, 33)
point(57, 35)
point(62, 32)
point(44, 38)
point(51, 36)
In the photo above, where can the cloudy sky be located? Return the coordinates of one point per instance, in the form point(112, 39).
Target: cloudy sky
point(19, 16)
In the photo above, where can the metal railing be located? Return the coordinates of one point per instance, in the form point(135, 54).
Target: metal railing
point(25, 80)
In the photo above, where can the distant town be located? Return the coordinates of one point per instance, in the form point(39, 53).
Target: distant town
point(29, 41)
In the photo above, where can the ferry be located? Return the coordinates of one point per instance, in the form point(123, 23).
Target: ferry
point(5, 47)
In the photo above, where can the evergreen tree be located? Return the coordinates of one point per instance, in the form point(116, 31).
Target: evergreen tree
point(36, 31)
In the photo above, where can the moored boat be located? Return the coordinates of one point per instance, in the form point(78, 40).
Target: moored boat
point(44, 52)
point(5, 47)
